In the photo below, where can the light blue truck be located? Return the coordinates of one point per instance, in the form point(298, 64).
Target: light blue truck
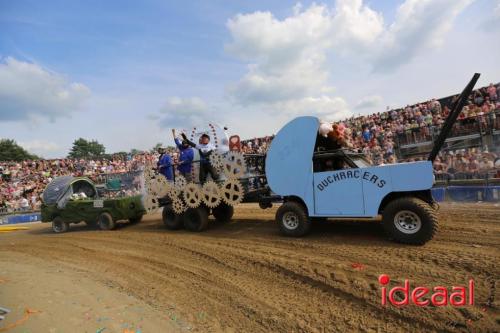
point(342, 184)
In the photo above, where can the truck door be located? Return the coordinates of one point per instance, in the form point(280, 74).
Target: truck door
point(338, 190)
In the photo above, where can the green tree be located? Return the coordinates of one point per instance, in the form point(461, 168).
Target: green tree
point(156, 147)
point(86, 149)
point(11, 151)
point(134, 151)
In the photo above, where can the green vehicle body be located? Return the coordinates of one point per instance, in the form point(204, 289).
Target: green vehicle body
point(57, 203)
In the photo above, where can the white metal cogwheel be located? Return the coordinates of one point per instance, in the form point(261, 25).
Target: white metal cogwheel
point(150, 204)
point(217, 160)
point(180, 182)
point(211, 194)
point(232, 192)
point(163, 186)
point(173, 192)
point(192, 195)
point(234, 165)
point(178, 206)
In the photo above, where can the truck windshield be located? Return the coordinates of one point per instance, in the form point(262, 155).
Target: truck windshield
point(360, 162)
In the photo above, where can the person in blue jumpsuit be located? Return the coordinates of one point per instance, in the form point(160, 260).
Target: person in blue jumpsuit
point(186, 155)
point(165, 165)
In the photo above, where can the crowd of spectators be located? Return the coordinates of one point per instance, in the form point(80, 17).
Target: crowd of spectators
point(378, 135)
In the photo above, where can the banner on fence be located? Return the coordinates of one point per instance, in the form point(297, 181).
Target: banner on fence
point(20, 218)
point(469, 193)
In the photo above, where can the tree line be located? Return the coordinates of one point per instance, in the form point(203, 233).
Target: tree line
point(81, 149)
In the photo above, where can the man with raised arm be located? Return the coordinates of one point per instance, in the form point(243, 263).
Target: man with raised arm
point(205, 148)
point(186, 155)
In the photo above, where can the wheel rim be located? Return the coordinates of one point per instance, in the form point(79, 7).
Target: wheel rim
point(290, 220)
point(57, 227)
point(407, 222)
point(104, 222)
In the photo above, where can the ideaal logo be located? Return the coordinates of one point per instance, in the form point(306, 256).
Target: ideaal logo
point(351, 174)
point(439, 295)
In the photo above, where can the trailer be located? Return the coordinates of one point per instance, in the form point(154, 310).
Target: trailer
point(313, 183)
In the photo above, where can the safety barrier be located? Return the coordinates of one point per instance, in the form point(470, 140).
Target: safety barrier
point(467, 193)
point(20, 218)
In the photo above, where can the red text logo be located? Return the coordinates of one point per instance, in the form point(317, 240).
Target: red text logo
point(423, 296)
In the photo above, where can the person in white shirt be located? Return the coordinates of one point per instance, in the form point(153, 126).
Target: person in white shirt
point(24, 204)
point(205, 148)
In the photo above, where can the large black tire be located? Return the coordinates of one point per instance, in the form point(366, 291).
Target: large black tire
point(196, 219)
point(410, 220)
point(293, 220)
point(171, 220)
point(106, 222)
point(134, 220)
point(223, 213)
point(59, 225)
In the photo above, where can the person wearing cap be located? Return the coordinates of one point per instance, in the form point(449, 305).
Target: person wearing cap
point(205, 148)
point(186, 155)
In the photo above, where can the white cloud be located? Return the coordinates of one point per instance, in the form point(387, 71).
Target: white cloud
point(40, 147)
point(287, 69)
point(420, 25)
point(28, 91)
point(286, 59)
point(180, 112)
point(369, 102)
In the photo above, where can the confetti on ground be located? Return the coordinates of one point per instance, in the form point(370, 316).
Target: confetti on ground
point(358, 266)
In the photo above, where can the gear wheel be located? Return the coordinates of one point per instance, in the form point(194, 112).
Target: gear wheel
point(211, 194)
point(234, 165)
point(232, 192)
point(150, 204)
point(173, 192)
point(192, 195)
point(180, 182)
point(217, 160)
point(148, 173)
point(178, 206)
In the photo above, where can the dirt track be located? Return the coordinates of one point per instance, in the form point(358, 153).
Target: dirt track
point(245, 277)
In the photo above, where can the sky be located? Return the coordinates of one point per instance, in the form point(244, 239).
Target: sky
point(126, 72)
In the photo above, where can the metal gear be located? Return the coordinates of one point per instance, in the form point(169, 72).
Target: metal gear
point(180, 182)
point(211, 194)
point(232, 192)
point(192, 195)
point(150, 204)
point(234, 165)
point(178, 206)
point(217, 160)
point(148, 173)
point(173, 192)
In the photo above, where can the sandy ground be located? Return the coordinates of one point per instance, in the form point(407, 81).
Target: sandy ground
point(245, 277)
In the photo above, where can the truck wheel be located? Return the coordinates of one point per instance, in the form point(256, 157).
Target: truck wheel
point(135, 220)
point(106, 222)
point(171, 220)
point(59, 225)
point(196, 219)
point(293, 219)
point(223, 213)
point(410, 221)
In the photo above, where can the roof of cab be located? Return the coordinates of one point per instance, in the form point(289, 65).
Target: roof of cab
point(289, 159)
point(57, 187)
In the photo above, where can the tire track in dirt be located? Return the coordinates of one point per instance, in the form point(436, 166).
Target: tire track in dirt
point(245, 277)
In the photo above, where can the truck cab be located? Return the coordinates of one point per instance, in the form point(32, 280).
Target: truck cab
point(343, 184)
